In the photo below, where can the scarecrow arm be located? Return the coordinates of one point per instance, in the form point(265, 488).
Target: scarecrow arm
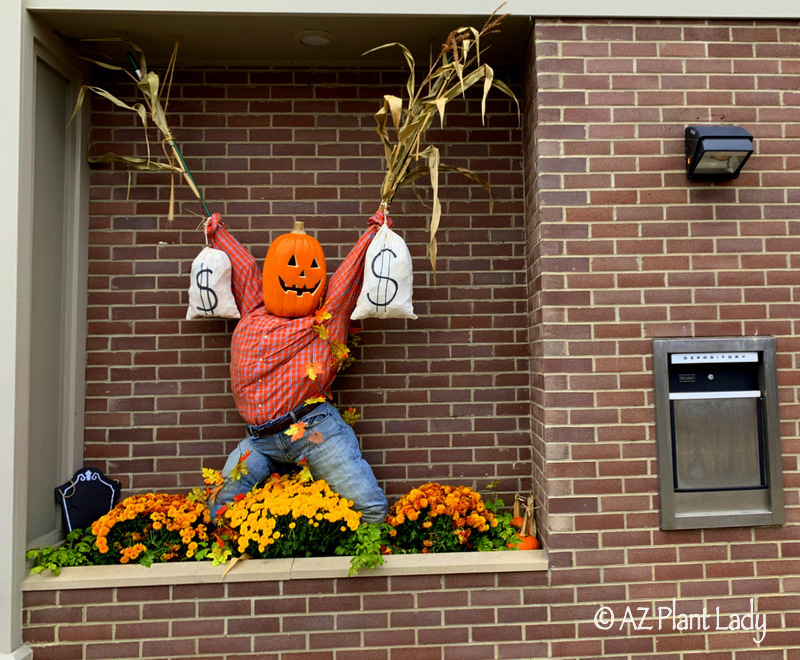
point(245, 275)
point(345, 284)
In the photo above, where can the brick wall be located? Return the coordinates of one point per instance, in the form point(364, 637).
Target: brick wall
point(622, 249)
point(616, 248)
point(452, 617)
point(442, 398)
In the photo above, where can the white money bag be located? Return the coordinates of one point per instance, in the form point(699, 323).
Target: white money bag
point(388, 279)
point(210, 286)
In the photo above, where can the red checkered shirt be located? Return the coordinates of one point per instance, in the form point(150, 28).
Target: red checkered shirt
point(270, 354)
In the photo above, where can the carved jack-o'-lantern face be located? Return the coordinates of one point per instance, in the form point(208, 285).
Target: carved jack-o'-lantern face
point(294, 274)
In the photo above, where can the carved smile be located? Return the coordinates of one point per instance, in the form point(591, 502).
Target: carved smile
point(299, 290)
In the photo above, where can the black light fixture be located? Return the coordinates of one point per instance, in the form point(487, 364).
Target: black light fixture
point(716, 153)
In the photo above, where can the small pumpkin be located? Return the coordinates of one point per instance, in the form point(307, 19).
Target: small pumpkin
point(525, 543)
point(293, 279)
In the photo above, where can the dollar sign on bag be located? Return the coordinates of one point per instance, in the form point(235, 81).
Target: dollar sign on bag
point(385, 269)
point(209, 291)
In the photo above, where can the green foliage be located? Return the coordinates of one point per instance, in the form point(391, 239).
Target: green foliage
point(439, 537)
point(503, 534)
point(78, 549)
point(442, 518)
point(366, 546)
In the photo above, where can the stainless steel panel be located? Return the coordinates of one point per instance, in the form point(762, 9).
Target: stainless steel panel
point(704, 504)
point(730, 507)
point(717, 443)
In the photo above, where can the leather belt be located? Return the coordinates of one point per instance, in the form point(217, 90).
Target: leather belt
point(283, 422)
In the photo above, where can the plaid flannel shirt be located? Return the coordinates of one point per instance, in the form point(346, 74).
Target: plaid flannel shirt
point(270, 354)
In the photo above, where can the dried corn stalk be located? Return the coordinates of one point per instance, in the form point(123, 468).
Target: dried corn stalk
point(153, 92)
point(456, 69)
point(528, 527)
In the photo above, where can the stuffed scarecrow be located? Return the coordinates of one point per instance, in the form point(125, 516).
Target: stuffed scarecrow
point(284, 358)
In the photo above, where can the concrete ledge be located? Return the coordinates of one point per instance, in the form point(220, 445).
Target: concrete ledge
point(260, 570)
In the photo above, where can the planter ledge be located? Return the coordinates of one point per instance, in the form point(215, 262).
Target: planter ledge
point(300, 568)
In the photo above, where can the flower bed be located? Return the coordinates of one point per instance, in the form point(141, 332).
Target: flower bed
point(289, 516)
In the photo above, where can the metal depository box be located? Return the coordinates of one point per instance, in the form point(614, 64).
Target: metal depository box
point(717, 429)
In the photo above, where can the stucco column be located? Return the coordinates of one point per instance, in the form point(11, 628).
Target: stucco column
point(16, 55)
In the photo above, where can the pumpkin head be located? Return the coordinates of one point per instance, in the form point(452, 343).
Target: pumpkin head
point(294, 274)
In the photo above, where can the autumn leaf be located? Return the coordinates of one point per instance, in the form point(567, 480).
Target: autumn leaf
point(212, 494)
point(316, 437)
point(321, 315)
point(212, 477)
point(315, 399)
point(321, 330)
point(240, 469)
point(305, 472)
point(197, 495)
point(296, 431)
point(219, 555)
point(313, 369)
point(350, 416)
point(340, 353)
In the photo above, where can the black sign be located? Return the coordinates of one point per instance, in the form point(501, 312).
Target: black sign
point(86, 497)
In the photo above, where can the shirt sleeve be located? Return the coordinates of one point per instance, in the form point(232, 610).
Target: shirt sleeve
point(345, 284)
point(245, 274)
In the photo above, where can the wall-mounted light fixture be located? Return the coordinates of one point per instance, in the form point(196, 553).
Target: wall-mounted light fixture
point(716, 153)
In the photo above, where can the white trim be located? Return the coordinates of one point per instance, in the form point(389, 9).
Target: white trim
point(716, 358)
point(15, 95)
point(305, 568)
point(50, 51)
point(737, 394)
point(22, 653)
point(724, 9)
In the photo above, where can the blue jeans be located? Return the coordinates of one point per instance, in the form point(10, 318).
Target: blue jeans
point(337, 460)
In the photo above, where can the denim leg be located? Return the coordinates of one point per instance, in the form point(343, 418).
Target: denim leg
point(259, 465)
point(337, 460)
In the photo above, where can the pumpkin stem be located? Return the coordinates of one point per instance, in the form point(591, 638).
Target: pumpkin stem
point(298, 227)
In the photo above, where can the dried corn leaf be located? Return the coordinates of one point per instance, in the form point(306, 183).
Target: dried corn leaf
point(104, 65)
point(138, 108)
point(149, 85)
point(135, 163)
point(487, 85)
point(440, 105)
point(451, 74)
point(380, 120)
point(432, 155)
point(395, 108)
point(410, 86)
point(421, 170)
point(142, 66)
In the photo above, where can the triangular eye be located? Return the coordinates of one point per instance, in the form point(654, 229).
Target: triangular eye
point(292, 261)
point(314, 263)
